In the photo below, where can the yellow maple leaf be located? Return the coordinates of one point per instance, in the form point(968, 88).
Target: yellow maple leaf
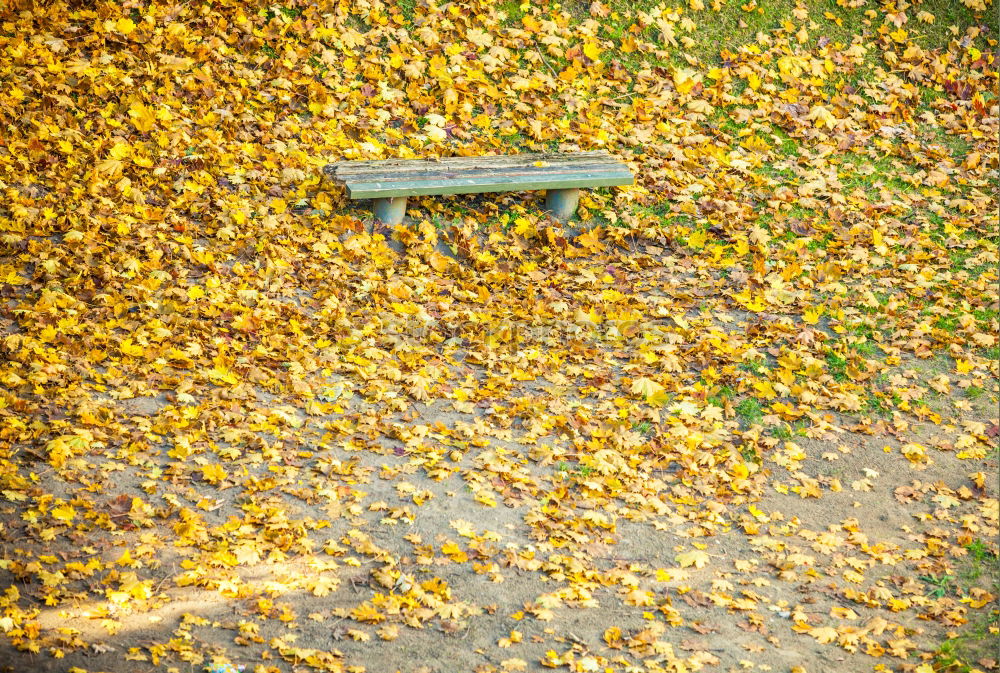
point(695, 557)
point(120, 150)
point(111, 167)
point(213, 473)
point(824, 634)
point(131, 349)
point(915, 453)
point(143, 117)
point(841, 612)
point(485, 498)
point(685, 80)
point(63, 512)
point(646, 387)
point(454, 552)
point(590, 240)
point(877, 240)
point(812, 314)
point(125, 25)
point(765, 389)
point(523, 227)
point(65, 447)
point(359, 635)
point(821, 116)
point(592, 51)
point(366, 612)
point(324, 585)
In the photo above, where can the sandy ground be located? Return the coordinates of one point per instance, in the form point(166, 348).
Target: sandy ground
point(738, 612)
point(512, 528)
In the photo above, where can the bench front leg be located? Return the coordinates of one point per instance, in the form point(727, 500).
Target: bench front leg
point(390, 210)
point(562, 203)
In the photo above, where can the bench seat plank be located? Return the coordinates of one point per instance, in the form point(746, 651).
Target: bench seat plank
point(484, 182)
point(562, 176)
point(346, 169)
point(447, 171)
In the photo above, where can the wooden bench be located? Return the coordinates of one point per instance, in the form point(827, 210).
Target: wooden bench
point(389, 182)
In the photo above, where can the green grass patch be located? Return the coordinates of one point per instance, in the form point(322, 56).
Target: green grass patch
point(788, 431)
point(977, 639)
point(407, 8)
point(947, 13)
point(750, 454)
point(736, 25)
point(877, 405)
point(948, 323)
point(958, 146)
point(285, 12)
point(882, 298)
point(719, 399)
point(981, 561)
point(756, 367)
point(938, 586)
point(974, 392)
point(821, 243)
point(644, 428)
point(513, 13)
point(749, 411)
point(789, 145)
point(837, 365)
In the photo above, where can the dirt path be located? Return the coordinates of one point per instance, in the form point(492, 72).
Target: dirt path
point(495, 535)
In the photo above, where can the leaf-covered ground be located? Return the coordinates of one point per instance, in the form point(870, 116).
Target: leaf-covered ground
point(740, 416)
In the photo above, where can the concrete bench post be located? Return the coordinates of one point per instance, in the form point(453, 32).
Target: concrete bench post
point(562, 203)
point(390, 210)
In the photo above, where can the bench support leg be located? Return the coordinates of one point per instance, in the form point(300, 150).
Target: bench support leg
point(390, 210)
point(562, 203)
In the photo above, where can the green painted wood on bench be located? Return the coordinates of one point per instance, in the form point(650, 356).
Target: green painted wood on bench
point(497, 183)
point(562, 176)
point(451, 172)
point(392, 166)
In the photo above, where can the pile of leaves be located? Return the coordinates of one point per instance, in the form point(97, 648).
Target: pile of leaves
point(210, 358)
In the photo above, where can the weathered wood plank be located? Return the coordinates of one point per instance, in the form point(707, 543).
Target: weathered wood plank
point(525, 157)
point(344, 169)
point(525, 172)
point(558, 173)
point(430, 172)
point(552, 180)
